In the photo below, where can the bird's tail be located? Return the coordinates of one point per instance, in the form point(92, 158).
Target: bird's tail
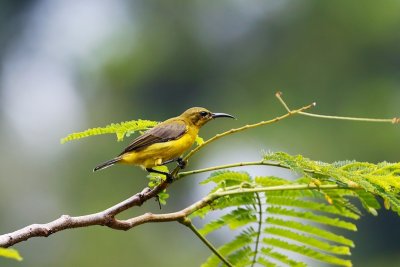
point(107, 164)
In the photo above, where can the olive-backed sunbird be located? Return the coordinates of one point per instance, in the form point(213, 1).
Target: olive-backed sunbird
point(165, 142)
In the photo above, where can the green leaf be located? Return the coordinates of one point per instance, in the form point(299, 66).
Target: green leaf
point(306, 204)
point(369, 202)
point(235, 219)
point(339, 199)
point(224, 202)
point(241, 257)
point(10, 253)
point(297, 216)
point(312, 217)
point(379, 179)
point(268, 251)
point(240, 241)
point(120, 129)
point(263, 261)
point(306, 251)
point(199, 140)
point(307, 240)
point(310, 229)
point(270, 181)
point(223, 176)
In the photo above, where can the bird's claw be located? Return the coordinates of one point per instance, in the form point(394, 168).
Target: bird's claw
point(169, 178)
point(181, 163)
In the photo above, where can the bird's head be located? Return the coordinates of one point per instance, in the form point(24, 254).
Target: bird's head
point(200, 116)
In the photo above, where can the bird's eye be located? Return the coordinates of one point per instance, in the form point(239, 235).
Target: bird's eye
point(203, 113)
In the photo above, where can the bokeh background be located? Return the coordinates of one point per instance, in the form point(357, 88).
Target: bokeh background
point(67, 66)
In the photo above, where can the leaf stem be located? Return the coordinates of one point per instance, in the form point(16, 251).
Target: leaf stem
point(187, 222)
point(234, 165)
point(260, 220)
point(282, 187)
point(226, 166)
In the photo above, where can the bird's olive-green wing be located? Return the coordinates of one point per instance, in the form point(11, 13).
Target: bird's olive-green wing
point(162, 132)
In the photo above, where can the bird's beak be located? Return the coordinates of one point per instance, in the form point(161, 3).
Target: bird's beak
point(221, 115)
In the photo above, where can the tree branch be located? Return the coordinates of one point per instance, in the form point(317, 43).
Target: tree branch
point(107, 217)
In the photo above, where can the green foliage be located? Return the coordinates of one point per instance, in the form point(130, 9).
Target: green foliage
point(279, 219)
point(121, 129)
point(377, 179)
point(234, 219)
point(10, 253)
point(239, 242)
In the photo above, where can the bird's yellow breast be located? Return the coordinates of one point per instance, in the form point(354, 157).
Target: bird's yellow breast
point(158, 153)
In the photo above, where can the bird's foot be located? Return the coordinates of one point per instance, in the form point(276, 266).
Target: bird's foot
point(181, 163)
point(170, 178)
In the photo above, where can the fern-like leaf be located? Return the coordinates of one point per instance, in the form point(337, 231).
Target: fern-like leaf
point(224, 176)
point(310, 229)
point(306, 251)
point(240, 241)
point(234, 219)
point(269, 252)
point(288, 220)
point(308, 240)
point(312, 217)
point(380, 179)
point(281, 217)
point(311, 205)
point(121, 129)
point(224, 202)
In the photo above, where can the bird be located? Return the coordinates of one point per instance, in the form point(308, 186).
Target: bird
point(166, 142)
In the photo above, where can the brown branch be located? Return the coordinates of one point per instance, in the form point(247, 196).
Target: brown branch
point(107, 217)
point(103, 218)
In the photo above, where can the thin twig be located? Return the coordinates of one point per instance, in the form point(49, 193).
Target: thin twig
point(226, 166)
point(187, 222)
point(238, 164)
point(393, 120)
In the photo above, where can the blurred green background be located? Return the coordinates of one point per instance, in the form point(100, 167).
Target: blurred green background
point(71, 65)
